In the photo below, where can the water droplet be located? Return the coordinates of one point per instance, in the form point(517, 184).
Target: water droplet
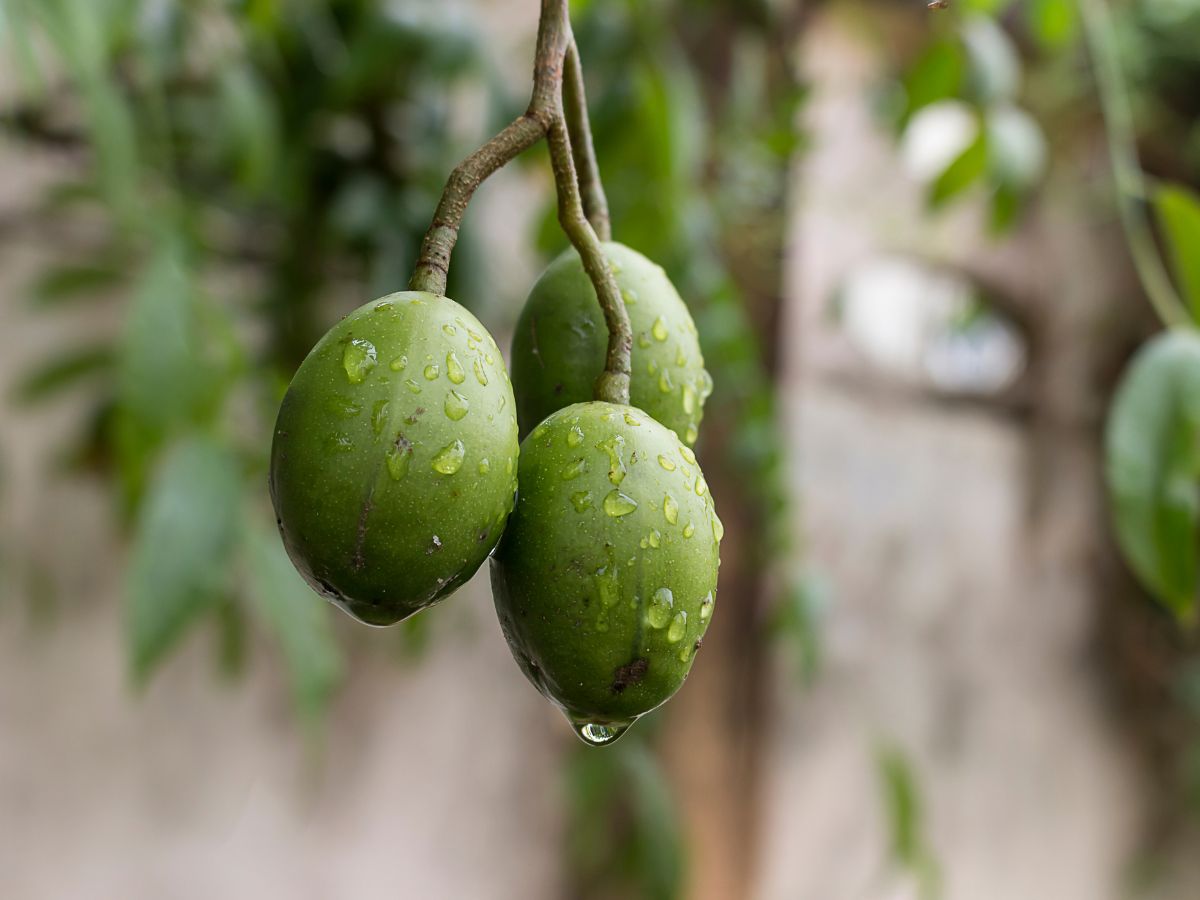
point(685, 653)
point(450, 330)
point(643, 341)
point(670, 509)
point(456, 406)
point(614, 446)
point(398, 458)
point(342, 443)
point(659, 329)
point(717, 527)
point(666, 462)
point(484, 466)
point(480, 374)
point(379, 415)
point(598, 734)
point(706, 607)
point(474, 335)
point(665, 384)
point(706, 385)
point(680, 356)
point(574, 436)
point(651, 367)
point(602, 623)
point(617, 504)
point(489, 359)
point(701, 486)
point(450, 458)
point(688, 455)
point(346, 407)
point(655, 539)
point(630, 419)
point(692, 434)
point(358, 360)
point(688, 530)
point(454, 369)
point(689, 399)
point(508, 466)
point(398, 364)
point(582, 500)
point(629, 295)
point(678, 627)
point(432, 371)
point(412, 386)
point(658, 612)
point(574, 469)
point(608, 588)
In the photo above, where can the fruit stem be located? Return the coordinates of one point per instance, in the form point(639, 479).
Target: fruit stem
point(595, 203)
point(545, 116)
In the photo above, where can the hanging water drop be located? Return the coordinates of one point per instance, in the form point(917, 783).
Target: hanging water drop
point(706, 607)
point(597, 734)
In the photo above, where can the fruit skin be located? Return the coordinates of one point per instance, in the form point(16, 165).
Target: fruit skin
point(575, 587)
point(561, 339)
point(366, 517)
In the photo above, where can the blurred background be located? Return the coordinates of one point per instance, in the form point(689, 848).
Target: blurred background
point(929, 674)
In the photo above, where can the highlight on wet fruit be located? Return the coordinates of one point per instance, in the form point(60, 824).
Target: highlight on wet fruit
point(560, 340)
point(393, 466)
point(605, 580)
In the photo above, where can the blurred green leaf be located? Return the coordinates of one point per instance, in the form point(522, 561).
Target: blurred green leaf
point(61, 284)
point(249, 125)
point(796, 620)
point(967, 168)
point(994, 63)
point(298, 619)
point(936, 75)
point(1178, 210)
point(902, 802)
point(1053, 23)
point(1153, 463)
point(180, 562)
point(62, 372)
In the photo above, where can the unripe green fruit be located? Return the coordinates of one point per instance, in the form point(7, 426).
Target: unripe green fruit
point(561, 340)
point(606, 576)
point(394, 462)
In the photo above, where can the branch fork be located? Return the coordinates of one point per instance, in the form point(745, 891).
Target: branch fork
point(557, 111)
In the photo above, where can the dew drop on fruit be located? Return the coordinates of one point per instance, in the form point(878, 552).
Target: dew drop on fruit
point(480, 374)
point(412, 386)
point(342, 443)
point(629, 295)
point(598, 735)
point(614, 446)
point(680, 356)
point(450, 458)
point(688, 455)
point(717, 527)
point(454, 369)
point(484, 466)
point(701, 486)
point(658, 613)
point(581, 500)
point(379, 415)
point(608, 590)
point(706, 607)
point(659, 329)
point(670, 509)
point(574, 436)
point(397, 461)
point(574, 469)
point(692, 434)
point(489, 359)
point(678, 627)
point(630, 419)
point(345, 407)
point(432, 371)
point(655, 538)
point(689, 399)
point(688, 530)
point(643, 341)
point(665, 385)
point(358, 360)
point(450, 330)
point(456, 406)
point(651, 367)
point(617, 504)
point(473, 335)
point(398, 364)
point(666, 462)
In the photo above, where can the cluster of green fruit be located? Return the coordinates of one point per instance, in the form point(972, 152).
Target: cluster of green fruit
point(396, 471)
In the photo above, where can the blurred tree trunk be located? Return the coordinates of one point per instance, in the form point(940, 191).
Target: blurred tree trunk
point(714, 744)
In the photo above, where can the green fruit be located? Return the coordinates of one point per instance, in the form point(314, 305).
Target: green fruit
point(561, 339)
point(394, 461)
point(605, 579)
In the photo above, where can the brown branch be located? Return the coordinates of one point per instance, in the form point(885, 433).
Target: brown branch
point(595, 203)
point(544, 117)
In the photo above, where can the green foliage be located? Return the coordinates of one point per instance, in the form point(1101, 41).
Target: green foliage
point(1178, 211)
point(1153, 467)
point(183, 544)
point(905, 817)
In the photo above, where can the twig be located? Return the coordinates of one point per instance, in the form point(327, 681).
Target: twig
point(595, 203)
point(544, 117)
point(1127, 172)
